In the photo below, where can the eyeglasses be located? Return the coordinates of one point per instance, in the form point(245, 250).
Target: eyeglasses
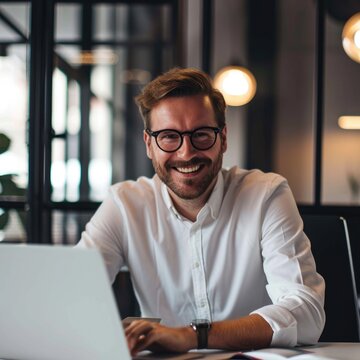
point(169, 140)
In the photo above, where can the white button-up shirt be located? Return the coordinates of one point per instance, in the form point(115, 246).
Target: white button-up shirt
point(245, 253)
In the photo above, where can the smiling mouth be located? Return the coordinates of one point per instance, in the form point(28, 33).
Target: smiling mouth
point(188, 169)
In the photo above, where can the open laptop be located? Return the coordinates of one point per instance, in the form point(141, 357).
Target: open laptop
point(56, 303)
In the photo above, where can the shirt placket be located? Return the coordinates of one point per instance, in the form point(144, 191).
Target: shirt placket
point(198, 275)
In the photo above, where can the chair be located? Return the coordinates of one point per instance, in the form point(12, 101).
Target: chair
point(125, 296)
point(331, 249)
point(353, 223)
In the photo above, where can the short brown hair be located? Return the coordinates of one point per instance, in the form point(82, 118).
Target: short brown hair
point(180, 82)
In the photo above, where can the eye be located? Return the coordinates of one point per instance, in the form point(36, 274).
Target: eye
point(168, 136)
point(202, 134)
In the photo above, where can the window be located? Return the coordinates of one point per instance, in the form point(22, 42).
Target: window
point(77, 126)
point(69, 126)
point(14, 66)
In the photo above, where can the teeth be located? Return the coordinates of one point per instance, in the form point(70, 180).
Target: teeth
point(189, 169)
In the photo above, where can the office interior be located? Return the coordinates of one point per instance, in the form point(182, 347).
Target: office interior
point(69, 127)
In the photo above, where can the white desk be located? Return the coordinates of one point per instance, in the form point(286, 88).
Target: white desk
point(337, 351)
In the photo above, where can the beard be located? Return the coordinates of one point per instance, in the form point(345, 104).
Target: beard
point(189, 189)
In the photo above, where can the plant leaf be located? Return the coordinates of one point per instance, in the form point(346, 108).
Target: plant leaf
point(4, 218)
point(9, 187)
point(4, 143)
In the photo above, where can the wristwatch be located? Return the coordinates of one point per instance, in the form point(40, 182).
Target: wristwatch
point(201, 327)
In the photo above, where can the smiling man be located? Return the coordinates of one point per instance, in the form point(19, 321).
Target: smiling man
point(187, 162)
point(219, 255)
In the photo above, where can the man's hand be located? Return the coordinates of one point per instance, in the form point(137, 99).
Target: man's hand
point(248, 332)
point(145, 335)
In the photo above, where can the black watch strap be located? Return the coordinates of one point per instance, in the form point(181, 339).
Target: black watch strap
point(201, 327)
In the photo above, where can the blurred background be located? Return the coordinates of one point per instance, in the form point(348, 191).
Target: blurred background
point(69, 127)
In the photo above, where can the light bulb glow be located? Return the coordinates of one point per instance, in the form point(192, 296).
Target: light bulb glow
point(349, 122)
point(351, 37)
point(237, 84)
point(357, 39)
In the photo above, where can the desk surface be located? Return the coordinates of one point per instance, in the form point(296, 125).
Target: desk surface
point(339, 351)
point(336, 351)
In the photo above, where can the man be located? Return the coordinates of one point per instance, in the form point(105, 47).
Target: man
point(222, 250)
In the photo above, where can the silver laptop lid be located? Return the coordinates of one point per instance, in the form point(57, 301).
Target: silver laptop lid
point(57, 303)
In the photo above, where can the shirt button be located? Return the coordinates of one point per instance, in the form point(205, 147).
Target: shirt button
point(196, 265)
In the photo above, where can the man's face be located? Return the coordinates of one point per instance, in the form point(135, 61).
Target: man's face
point(188, 173)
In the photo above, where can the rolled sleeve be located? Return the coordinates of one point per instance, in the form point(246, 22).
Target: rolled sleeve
point(296, 319)
point(283, 324)
point(297, 291)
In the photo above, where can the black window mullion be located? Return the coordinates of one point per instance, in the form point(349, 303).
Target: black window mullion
point(38, 226)
point(85, 97)
point(319, 98)
point(207, 35)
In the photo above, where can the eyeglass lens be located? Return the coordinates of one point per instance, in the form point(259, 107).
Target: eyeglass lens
point(201, 139)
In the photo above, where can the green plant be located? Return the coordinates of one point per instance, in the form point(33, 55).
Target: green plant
point(8, 186)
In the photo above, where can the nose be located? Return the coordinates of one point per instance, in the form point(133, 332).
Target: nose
point(186, 150)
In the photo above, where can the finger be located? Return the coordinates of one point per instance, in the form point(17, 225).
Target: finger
point(138, 327)
point(136, 333)
point(145, 341)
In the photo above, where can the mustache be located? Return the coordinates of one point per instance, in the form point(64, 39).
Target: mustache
point(194, 161)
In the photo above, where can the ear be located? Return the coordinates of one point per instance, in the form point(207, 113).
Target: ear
point(147, 141)
point(223, 135)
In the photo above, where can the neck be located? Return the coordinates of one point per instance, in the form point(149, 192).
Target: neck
point(190, 208)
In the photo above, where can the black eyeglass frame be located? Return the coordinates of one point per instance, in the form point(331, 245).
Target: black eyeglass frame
point(155, 134)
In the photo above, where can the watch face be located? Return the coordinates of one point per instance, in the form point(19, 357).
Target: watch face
point(201, 323)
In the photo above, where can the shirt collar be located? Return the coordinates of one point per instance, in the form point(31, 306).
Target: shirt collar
point(168, 202)
point(216, 196)
point(214, 202)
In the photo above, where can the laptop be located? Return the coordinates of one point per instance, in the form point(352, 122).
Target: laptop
point(56, 303)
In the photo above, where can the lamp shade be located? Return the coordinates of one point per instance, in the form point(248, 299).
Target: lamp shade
point(237, 84)
point(351, 37)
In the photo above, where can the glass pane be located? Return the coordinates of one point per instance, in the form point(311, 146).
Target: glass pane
point(12, 226)
point(67, 226)
point(110, 20)
point(65, 167)
point(140, 22)
point(97, 126)
point(341, 150)
point(14, 22)
point(68, 55)
point(67, 21)
point(100, 134)
point(14, 26)
point(294, 98)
